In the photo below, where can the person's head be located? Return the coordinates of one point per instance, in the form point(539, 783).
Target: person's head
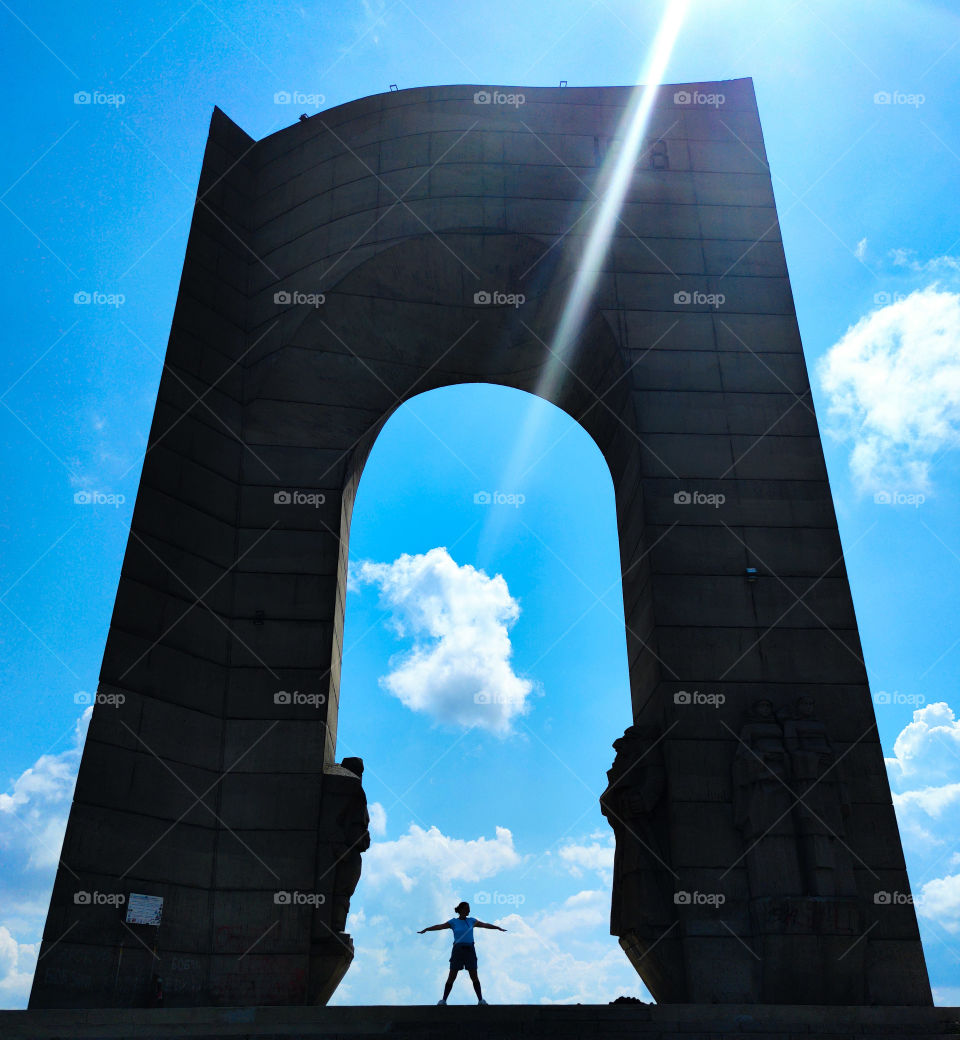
point(806, 707)
point(462, 909)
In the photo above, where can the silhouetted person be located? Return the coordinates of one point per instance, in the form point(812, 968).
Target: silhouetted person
point(464, 953)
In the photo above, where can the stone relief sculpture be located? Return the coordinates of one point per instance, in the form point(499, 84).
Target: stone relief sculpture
point(641, 912)
point(763, 803)
point(353, 823)
point(790, 803)
point(822, 803)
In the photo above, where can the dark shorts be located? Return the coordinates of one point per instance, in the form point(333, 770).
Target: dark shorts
point(464, 955)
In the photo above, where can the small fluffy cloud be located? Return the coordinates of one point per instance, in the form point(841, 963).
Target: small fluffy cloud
point(429, 854)
point(923, 773)
point(893, 387)
point(33, 818)
point(17, 964)
point(927, 748)
point(936, 265)
point(940, 900)
point(596, 856)
point(378, 819)
point(33, 814)
point(458, 670)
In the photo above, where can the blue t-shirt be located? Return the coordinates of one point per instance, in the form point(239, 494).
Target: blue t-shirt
point(462, 929)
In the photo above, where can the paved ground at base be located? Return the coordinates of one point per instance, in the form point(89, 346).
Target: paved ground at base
point(503, 1022)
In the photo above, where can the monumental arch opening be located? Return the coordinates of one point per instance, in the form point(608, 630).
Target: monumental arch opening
point(337, 268)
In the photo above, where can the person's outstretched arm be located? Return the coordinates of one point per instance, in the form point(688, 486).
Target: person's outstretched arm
point(434, 928)
point(495, 927)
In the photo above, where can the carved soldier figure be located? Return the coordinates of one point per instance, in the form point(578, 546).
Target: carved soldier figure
point(353, 823)
point(762, 803)
point(641, 910)
point(822, 804)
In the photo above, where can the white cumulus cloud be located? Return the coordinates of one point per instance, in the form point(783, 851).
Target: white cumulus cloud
point(940, 900)
point(33, 818)
point(458, 670)
point(596, 856)
point(431, 855)
point(893, 387)
point(378, 819)
point(926, 794)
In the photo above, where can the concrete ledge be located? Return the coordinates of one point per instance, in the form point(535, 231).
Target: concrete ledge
point(503, 1022)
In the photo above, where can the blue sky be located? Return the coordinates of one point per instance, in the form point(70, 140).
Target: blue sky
point(96, 198)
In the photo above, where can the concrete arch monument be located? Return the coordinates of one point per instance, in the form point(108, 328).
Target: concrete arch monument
point(337, 268)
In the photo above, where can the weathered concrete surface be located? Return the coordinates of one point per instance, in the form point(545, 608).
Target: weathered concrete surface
point(503, 1022)
point(338, 268)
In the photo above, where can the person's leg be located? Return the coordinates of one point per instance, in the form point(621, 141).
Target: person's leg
point(449, 983)
point(475, 979)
